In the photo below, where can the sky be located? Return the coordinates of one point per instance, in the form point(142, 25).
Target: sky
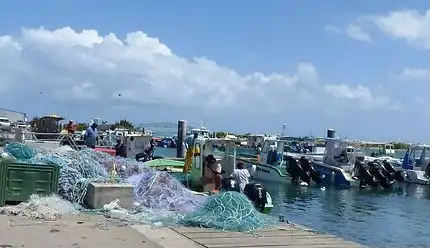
point(359, 67)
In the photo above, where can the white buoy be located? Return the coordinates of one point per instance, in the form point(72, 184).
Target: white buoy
point(323, 188)
point(304, 184)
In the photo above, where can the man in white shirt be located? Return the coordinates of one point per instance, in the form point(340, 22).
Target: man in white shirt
point(241, 175)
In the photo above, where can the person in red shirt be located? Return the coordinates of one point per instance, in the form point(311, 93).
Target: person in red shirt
point(70, 127)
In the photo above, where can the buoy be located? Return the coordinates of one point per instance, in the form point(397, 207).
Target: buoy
point(303, 183)
point(323, 188)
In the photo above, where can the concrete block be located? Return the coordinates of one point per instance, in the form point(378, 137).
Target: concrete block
point(99, 194)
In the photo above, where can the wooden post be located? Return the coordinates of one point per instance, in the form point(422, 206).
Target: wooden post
point(181, 135)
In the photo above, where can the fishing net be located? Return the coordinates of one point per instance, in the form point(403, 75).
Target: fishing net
point(159, 196)
point(230, 211)
point(45, 208)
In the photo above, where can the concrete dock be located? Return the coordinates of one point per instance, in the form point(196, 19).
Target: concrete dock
point(87, 230)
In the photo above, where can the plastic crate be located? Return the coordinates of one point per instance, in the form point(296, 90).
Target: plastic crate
point(19, 180)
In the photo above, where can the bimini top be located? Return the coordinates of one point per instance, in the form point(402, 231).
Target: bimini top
point(53, 116)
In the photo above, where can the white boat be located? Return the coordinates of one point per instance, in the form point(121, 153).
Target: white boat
point(381, 151)
point(417, 168)
point(271, 165)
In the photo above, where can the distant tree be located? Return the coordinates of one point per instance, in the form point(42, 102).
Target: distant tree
point(400, 145)
point(221, 134)
point(81, 126)
point(124, 124)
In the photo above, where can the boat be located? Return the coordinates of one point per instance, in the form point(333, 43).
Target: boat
point(337, 166)
point(417, 168)
point(380, 151)
point(298, 147)
point(194, 162)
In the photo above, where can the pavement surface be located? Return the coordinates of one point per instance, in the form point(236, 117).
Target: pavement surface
point(82, 230)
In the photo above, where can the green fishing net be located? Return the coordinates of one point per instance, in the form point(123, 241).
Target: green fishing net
point(228, 211)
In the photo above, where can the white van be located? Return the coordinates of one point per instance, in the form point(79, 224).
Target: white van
point(5, 123)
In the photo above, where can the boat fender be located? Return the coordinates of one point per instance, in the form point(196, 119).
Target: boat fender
point(333, 177)
point(252, 169)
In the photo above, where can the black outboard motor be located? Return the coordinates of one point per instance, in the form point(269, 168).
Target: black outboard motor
point(427, 171)
point(310, 170)
point(366, 178)
point(257, 194)
point(399, 176)
point(377, 172)
point(293, 169)
point(230, 184)
point(142, 157)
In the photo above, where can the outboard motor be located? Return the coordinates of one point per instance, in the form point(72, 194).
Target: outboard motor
point(366, 178)
point(399, 176)
point(377, 172)
point(427, 171)
point(310, 170)
point(257, 194)
point(230, 184)
point(293, 169)
point(142, 157)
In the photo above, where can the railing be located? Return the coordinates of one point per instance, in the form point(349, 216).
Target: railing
point(61, 139)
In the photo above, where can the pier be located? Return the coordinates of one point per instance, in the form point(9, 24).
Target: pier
point(282, 236)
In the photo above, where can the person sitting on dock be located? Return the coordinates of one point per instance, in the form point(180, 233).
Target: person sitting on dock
point(241, 175)
point(212, 177)
point(70, 127)
point(91, 135)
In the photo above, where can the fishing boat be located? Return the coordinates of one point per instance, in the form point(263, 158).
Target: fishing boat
point(380, 151)
point(194, 166)
point(417, 168)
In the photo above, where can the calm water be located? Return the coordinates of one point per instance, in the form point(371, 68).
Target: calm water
point(398, 218)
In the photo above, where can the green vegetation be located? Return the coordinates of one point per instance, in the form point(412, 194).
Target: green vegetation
point(400, 145)
point(221, 134)
point(123, 124)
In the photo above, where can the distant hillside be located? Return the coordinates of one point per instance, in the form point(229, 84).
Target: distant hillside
point(171, 125)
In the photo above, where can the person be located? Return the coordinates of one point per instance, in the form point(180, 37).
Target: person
point(70, 127)
point(91, 135)
point(241, 175)
point(120, 148)
point(212, 177)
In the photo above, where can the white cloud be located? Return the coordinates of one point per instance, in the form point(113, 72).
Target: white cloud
point(415, 74)
point(360, 95)
point(410, 25)
point(334, 29)
point(357, 33)
point(84, 65)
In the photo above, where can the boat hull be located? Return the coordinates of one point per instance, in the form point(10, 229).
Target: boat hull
point(332, 175)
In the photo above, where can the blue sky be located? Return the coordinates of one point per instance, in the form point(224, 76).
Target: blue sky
point(269, 37)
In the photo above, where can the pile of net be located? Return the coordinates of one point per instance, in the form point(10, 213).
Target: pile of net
point(159, 197)
point(230, 211)
point(45, 208)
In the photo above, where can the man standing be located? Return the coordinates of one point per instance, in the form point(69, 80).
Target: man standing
point(241, 175)
point(212, 177)
point(120, 148)
point(91, 135)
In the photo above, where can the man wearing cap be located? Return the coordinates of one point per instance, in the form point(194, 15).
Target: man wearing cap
point(212, 177)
